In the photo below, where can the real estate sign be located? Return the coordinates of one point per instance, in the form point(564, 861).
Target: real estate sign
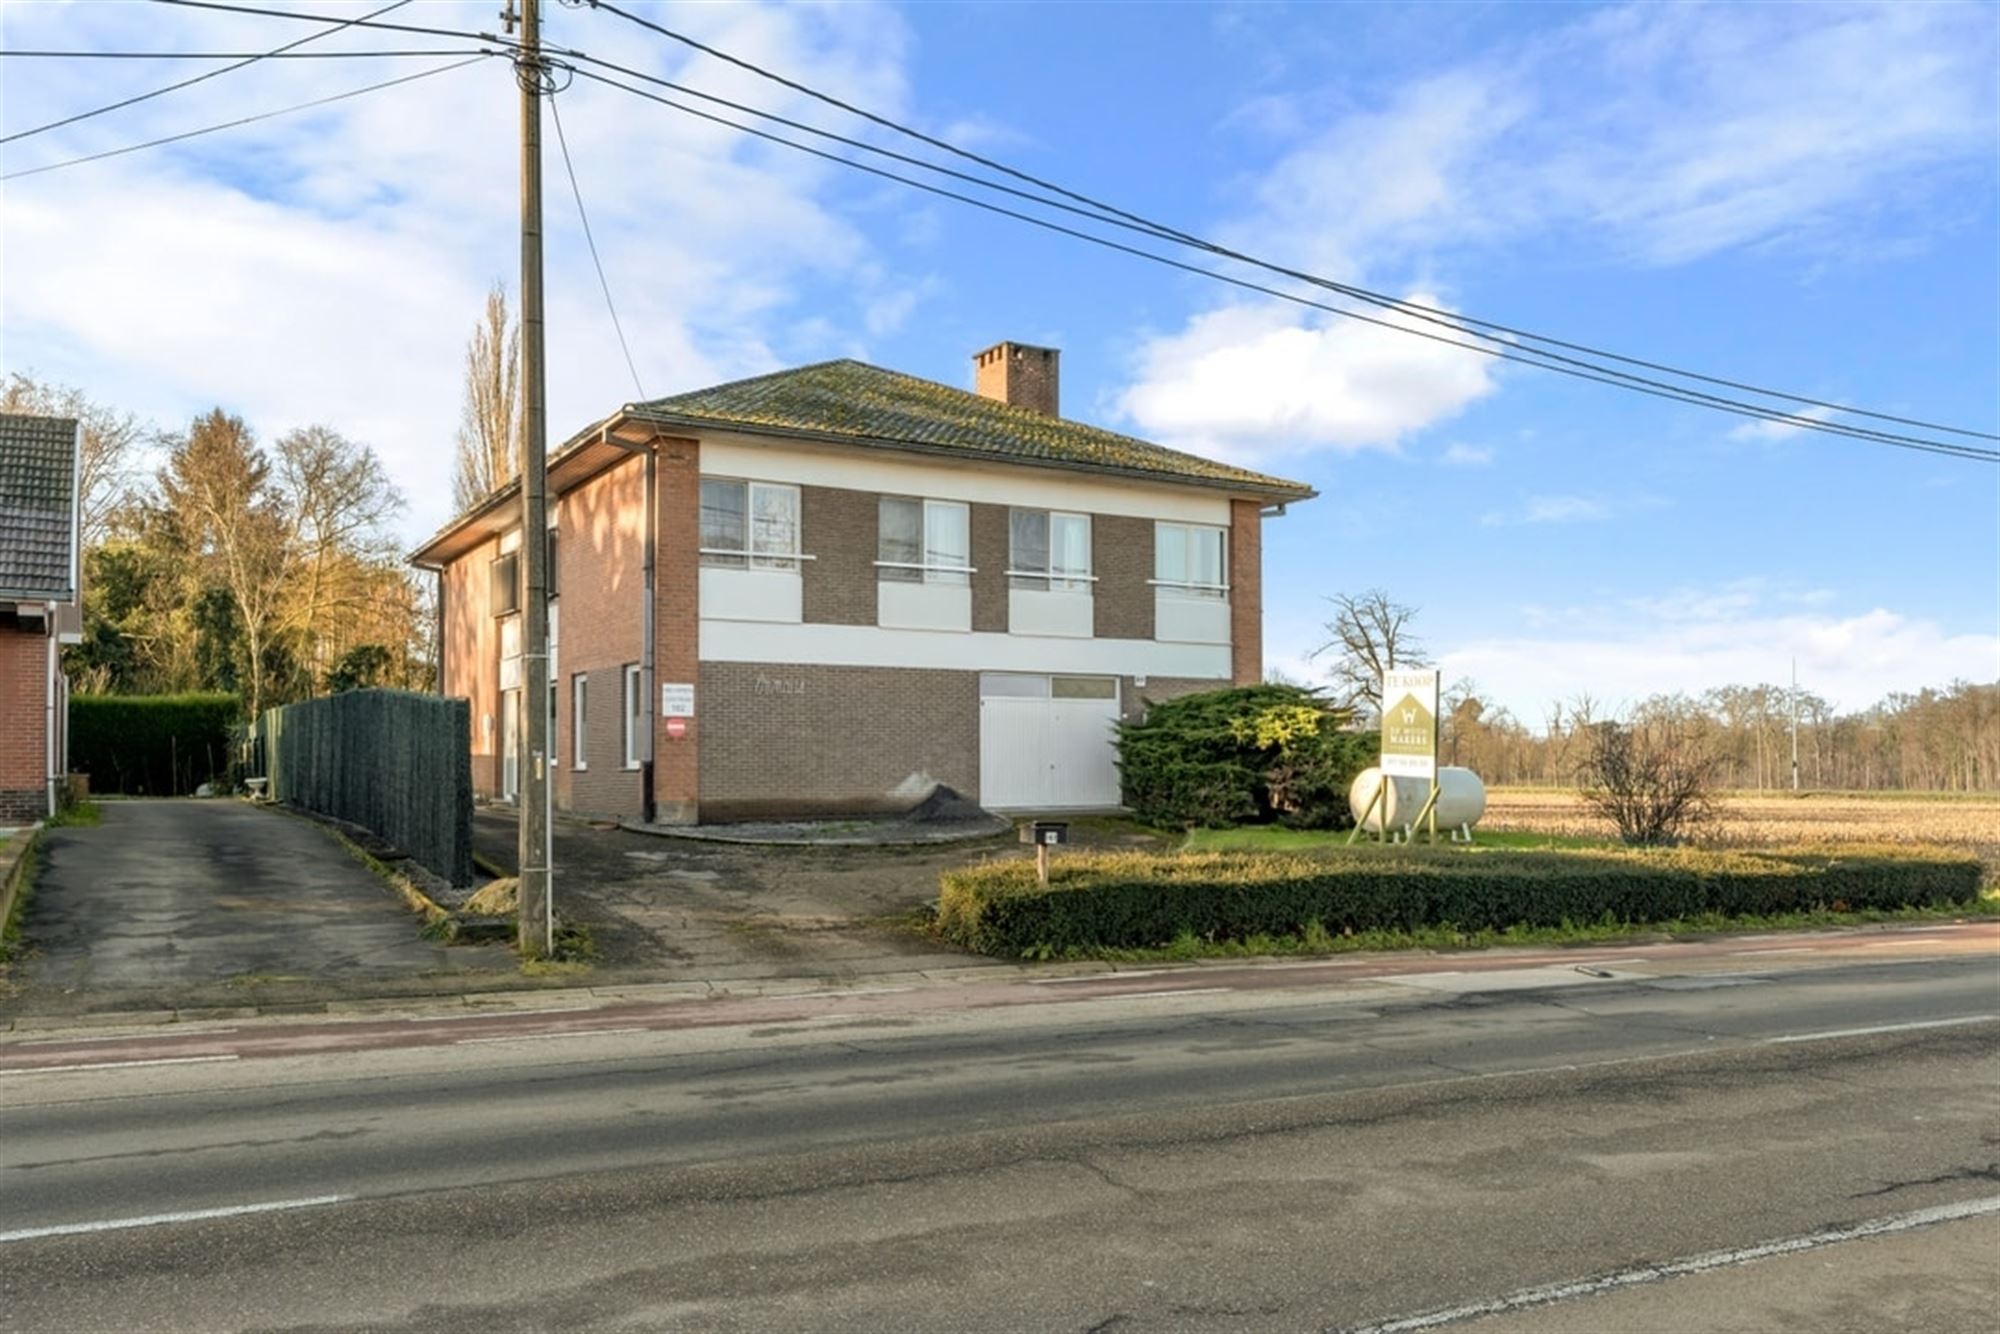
point(1409, 723)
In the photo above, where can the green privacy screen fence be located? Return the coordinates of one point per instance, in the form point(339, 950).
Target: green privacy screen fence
point(394, 762)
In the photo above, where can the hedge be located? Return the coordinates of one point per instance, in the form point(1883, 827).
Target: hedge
point(151, 745)
point(395, 762)
point(1140, 900)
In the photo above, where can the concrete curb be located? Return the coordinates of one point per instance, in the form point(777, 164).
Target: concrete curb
point(722, 834)
point(15, 859)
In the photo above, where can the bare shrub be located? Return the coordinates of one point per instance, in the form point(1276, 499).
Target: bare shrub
point(1654, 779)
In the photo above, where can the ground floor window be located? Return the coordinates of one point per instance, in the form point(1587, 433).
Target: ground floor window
point(579, 691)
point(635, 716)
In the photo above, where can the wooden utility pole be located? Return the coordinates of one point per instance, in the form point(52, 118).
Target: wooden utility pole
point(537, 899)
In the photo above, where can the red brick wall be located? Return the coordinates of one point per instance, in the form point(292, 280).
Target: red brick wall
point(472, 657)
point(601, 546)
point(1246, 592)
point(677, 628)
point(24, 701)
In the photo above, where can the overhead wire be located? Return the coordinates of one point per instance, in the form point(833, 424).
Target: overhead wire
point(245, 120)
point(385, 53)
point(569, 167)
point(300, 16)
point(1106, 212)
point(202, 77)
point(1501, 351)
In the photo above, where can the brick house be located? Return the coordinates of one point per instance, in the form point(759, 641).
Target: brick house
point(40, 523)
point(833, 589)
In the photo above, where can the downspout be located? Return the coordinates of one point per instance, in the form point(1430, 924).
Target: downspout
point(49, 718)
point(648, 806)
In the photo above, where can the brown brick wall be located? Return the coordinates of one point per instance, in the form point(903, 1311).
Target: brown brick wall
point(989, 560)
point(781, 739)
point(602, 530)
point(1122, 560)
point(677, 629)
point(1133, 699)
point(24, 700)
point(1027, 377)
point(839, 530)
point(1246, 591)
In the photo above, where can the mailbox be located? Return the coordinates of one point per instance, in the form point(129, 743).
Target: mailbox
point(1045, 833)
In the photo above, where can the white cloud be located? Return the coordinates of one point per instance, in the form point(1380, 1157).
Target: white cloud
point(1254, 382)
point(1461, 455)
point(327, 267)
point(1773, 430)
point(1552, 509)
point(1691, 640)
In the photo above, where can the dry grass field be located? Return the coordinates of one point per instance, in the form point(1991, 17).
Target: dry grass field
point(1773, 819)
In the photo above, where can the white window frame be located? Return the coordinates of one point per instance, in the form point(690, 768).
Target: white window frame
point(1051, 578)
point(749, 557)
point(930, 572)
point(1195, 588)
point(579, 721)
point(635, 715)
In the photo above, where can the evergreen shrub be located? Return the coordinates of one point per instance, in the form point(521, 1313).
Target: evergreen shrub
point(151, 745)
point(1246, 755)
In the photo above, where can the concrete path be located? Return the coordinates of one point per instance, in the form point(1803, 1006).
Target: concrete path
point(169, 894)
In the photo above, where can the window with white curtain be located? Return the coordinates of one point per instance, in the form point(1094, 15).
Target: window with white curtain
point(924, 541)
point(1189, 559)
point(579, 691)
point(635, 716)
point(1049, 550)
point(749, 525)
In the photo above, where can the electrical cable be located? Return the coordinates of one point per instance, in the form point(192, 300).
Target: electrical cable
point(1107, 212)
point(562, 141)
point(300, 17)
point(203, 77)
point(245, 56)
point(246, 120)
point(1501, 351)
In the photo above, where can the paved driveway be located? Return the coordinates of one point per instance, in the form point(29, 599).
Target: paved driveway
point(176, 894)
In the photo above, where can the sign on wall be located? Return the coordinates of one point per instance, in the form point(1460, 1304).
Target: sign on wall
point(676, 700)
point(1409, 723)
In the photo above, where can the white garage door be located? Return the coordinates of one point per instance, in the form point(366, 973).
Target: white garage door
point(1047, 742)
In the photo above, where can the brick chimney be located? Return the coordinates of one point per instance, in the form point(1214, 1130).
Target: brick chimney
point(1019, 375)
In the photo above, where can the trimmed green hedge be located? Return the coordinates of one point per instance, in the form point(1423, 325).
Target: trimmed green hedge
point(1141, 900)
point(151, 745)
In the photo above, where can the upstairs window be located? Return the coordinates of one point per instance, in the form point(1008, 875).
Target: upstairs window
point(1188, 559)
point(749, 525)
point(924, 541)
point(1049, 551)
point(506, 587)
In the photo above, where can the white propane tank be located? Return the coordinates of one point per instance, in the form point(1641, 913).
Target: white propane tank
point(1461, 798)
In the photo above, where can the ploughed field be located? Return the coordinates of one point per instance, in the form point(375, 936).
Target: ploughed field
point(1949, 819)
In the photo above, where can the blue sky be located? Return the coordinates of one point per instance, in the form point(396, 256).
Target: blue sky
point(1800, 196)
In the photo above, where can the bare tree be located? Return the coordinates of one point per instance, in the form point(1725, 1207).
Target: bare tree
point(1652, 777)
point(1368, 635)
point(110, 439)
point(489, 429)
point(338, 500)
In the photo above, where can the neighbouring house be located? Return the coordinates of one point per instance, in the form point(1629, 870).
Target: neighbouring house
point(834, 589)
point(40, 589)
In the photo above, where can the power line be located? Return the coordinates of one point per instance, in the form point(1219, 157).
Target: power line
point(245, 56)
point(298, 17)
point(562, 141)
point(1111, 213)
point(1501, 351)
point(201, 78)
point(246, 120)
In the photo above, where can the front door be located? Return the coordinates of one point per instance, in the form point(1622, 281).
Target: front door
point(510, 744)
point(1048, 742)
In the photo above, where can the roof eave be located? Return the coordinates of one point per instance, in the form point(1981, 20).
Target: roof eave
point(1281, 493)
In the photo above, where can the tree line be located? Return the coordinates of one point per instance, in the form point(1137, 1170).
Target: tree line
point(1939, 739)
point(267, 571)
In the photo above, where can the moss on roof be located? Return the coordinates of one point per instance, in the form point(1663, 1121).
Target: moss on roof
point(868, 404)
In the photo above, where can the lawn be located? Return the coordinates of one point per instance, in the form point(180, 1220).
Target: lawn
point(1270, 838)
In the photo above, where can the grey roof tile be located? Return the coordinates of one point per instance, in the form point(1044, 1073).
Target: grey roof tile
point(37, 506)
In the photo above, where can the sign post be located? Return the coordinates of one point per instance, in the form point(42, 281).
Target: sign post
point(1410, 738)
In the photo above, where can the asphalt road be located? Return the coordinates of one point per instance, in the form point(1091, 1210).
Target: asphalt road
point(1435, 1147)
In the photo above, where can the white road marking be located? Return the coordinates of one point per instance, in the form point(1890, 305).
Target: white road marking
point(822, 995)
point(543, 1037)
point(1789, 949)
point(1886, 1028)
point(488, 1013)
point(1097, 977)
point(1179, 991)
point(1591, 1287)
point(121, 1065)
point(154, 1220)
point(121, 1037)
